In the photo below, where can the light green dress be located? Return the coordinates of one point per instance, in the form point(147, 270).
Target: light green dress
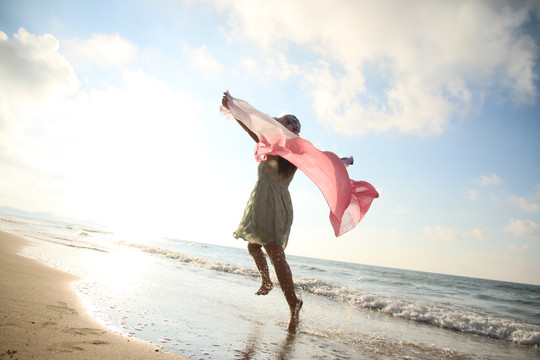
point(268, 215)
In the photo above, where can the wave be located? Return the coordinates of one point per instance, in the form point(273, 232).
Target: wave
point(432, 314)
point(97, 231)
point(195, 260)
point(68, 243)
point(10, 220)
point(61, 240)
point(438, 315)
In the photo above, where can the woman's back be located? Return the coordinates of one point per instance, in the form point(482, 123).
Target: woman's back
point(277, 170)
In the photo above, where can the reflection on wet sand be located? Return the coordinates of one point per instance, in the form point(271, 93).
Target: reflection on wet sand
point(256, 348)
point(287, 347)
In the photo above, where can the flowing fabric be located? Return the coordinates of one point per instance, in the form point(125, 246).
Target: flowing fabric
point(348, 200)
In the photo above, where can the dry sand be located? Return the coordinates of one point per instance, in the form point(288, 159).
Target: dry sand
point(41, 317)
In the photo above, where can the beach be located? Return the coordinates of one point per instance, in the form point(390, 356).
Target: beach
point(197, 300)
point(41, 317)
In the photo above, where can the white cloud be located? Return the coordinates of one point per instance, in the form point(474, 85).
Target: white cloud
point(441, 233)
point(96, 152)
point(34, 77)
point(103, 49)
point(30, 65)
point(434, 59)
point(275, 65)
point(524, 204)
point(519, 249)
point(278, 66)
point(490, 180)
point(109, 148)
point(521, 227)
point(6, 116)
point(529, 203)
point(249, 65)
point(203, 60)
point(474, 194)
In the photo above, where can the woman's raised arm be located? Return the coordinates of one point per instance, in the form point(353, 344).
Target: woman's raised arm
point(225, 103)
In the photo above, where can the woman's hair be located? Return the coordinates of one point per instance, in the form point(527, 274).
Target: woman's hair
point(291, 122)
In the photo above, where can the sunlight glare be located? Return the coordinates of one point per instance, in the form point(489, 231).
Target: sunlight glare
point(124, 269)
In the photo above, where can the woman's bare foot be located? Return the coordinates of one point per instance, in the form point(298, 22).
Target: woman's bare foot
point(265, 289)
point(295, 319)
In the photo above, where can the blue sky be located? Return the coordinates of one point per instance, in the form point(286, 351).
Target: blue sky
point(109, 111)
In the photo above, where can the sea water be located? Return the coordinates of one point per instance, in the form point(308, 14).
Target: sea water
point(198, 300)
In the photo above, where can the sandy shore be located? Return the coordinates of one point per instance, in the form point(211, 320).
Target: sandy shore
point(41, 317)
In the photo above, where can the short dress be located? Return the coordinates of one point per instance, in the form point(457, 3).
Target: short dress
point(268, 215)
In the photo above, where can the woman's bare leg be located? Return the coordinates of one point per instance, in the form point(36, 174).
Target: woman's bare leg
point(260, 260)
point(284, 275)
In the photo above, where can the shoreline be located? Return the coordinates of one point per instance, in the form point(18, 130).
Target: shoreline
point(42, 317)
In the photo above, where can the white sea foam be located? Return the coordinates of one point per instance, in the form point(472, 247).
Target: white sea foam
point(196, 261)
point(433, 314)
point(436, 314)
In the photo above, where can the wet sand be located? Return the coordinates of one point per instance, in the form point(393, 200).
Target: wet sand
point(41, 317)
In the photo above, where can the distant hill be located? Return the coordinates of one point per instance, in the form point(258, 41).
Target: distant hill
point(47, 216)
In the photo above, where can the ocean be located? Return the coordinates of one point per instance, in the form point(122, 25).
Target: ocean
point(198, 300)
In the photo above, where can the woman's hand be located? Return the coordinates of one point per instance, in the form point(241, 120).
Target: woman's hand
point(225, 101)
point(225, 104)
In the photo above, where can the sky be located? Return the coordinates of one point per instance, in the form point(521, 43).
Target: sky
point(109, 111)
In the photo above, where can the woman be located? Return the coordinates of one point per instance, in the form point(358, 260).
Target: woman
point(268, 218)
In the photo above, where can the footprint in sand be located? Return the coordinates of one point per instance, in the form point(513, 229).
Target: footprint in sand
point(75, 346)
point(66, 347)
point(84, 331)
point(63, 307)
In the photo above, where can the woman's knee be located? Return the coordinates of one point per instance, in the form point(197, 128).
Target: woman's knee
point(275, 253)
point(254, 248)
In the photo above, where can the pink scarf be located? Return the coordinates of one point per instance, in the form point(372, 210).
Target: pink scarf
point(348, 200)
